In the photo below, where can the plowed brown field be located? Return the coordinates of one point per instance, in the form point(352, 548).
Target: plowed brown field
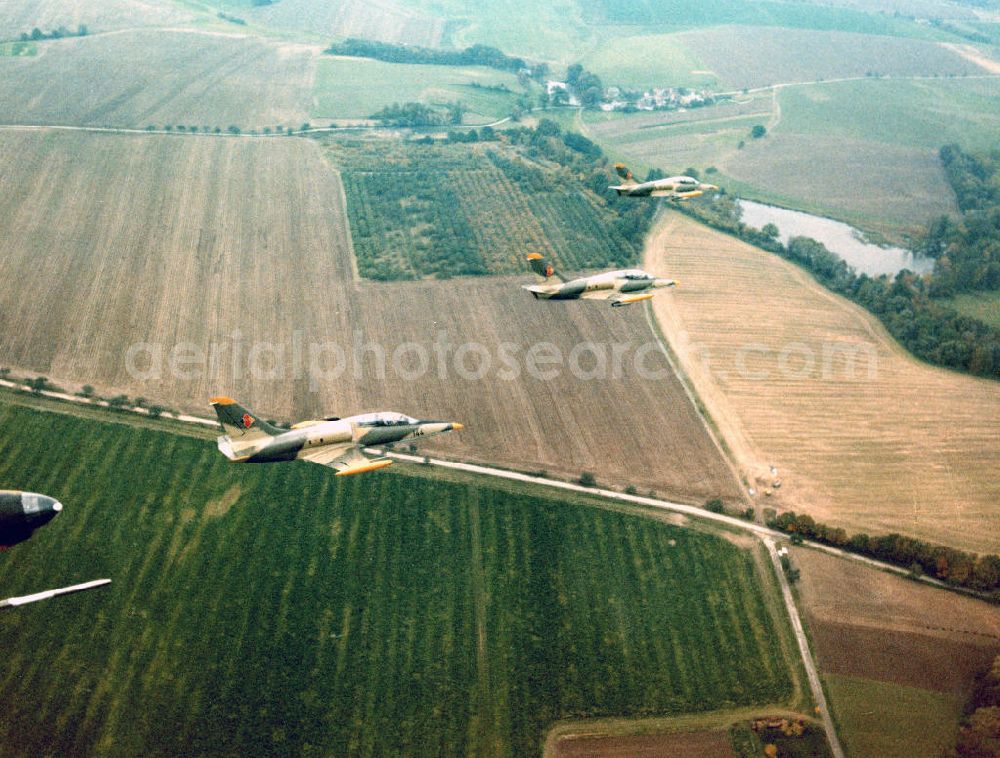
point(241, 247)
point(142, 78)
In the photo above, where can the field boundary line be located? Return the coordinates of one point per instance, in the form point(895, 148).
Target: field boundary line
point(700, 408)
point(812, 673)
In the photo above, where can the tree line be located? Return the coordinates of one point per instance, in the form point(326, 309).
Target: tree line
point(414, 114)
point(476, 55)
point(980, 726)
point(37, 34)
point(980, 573)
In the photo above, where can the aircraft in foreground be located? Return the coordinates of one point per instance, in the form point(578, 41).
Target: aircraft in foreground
point(672, 187)
point(623, 287)
point(334, 442)
point(21, 513)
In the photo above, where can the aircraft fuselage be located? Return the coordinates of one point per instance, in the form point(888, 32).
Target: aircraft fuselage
point(369, 430)
point(625, 282)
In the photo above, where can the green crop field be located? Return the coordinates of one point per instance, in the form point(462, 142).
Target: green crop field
point(277, 610)
point(890, 720)
point(648, 60)
point(794, 15)
point(355, 88)
point(863, 151)
point(18, 49)
point(984, 306)
point(927, 113)
point(747, 56)
point(450, 210)
point(554, 30)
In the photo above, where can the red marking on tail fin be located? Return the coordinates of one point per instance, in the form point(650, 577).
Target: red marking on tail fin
point(247, 420)
point(549, 270)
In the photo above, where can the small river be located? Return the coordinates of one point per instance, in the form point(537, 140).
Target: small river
point(839, 238)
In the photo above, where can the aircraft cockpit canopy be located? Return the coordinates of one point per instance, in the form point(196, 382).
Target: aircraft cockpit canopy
point(386, 418)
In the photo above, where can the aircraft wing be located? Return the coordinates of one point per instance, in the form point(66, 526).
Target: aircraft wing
point(346, 459)
point(598, 294)
point(13, 602)
point(622, 298)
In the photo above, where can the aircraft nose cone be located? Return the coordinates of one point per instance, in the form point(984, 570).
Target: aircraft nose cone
point(39, 509)
point(457, 426)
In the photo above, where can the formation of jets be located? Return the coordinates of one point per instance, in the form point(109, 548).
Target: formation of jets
point(672, 187)
point(21, 513)
point(341, 443)
point(335, 442)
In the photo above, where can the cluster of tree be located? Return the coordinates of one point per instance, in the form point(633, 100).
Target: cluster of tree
point(559, 178)
point(930, 329)
point(979, 732)
point(980, 573)
point(581, 157)
point(586, 85)
point(37, 34)
point(419, 114)
point(477, 55)
point(485, 134)
point(974, 178)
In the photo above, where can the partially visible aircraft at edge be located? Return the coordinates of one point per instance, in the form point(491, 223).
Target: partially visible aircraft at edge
point(21, 513)
point(623, 287)
point(672, 187)
point(334, 442)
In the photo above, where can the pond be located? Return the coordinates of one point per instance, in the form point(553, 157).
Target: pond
point(839, 238)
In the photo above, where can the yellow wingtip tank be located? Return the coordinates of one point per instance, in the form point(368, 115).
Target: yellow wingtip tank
point(222, 400)
point(535, 256)
point(374, 465)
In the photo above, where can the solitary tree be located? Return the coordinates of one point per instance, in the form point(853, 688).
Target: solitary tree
point(758, 131)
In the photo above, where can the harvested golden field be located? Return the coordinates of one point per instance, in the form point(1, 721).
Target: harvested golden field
point(863, 435)
point(238, 251)
point(17, 16)
point(142, 78)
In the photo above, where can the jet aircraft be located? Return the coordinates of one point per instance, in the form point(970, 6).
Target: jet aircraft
point(672, 187)
point(21, 513)
point(623, 287)
point(334, 442)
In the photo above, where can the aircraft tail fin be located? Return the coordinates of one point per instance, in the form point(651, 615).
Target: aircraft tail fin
point(240, 423)
point(542, 268)
point(626, 175)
